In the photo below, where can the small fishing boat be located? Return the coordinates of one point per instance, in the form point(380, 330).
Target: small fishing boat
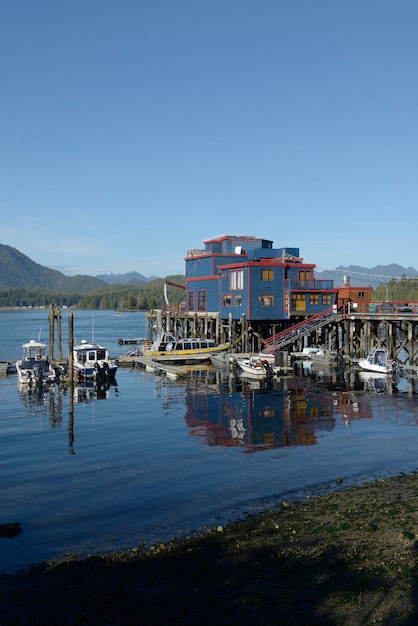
point(377, 361)
point(91, 360)
point(257, 367)
point(166, 346)
point(222, 359)
point(327, 357)
point(34, 367)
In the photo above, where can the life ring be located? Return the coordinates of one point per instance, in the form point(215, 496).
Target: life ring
point(169, 346)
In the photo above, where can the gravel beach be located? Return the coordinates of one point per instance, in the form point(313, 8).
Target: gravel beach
point(349, 558)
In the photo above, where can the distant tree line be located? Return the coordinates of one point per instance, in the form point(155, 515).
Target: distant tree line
point(151, 295)
point(111, 297)
point(397, 290)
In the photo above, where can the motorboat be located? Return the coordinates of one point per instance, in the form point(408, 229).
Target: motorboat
point(92, 361)
point(186, 349)
point(257, 367)
point(222, 359)
point(34, 367)
point(328, 357)
point(377, 361)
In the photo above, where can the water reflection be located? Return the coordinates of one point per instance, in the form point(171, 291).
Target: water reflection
point(258, 415)
point(296, 410)
point(375, 383)
point(43, 400)
point(88, 391)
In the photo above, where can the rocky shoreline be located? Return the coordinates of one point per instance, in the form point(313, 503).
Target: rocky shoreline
point(349, 557)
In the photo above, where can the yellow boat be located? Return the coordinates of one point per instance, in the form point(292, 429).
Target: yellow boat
point(167, 347)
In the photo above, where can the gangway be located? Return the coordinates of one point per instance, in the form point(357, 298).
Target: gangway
point(302, 329)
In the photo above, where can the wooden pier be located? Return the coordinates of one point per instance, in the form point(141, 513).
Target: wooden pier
point(353, 333)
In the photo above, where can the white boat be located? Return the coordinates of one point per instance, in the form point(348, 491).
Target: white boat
point(306, 353)
point(377, 361)
point(260, 368)
point(222, 359)
point(34, 367)
point(92, 361)
point(328, 357)
point(166, 346)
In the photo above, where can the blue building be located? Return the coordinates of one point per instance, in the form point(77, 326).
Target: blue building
point(239, 275)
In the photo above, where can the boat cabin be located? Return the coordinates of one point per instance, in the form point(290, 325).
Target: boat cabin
point(90, 353)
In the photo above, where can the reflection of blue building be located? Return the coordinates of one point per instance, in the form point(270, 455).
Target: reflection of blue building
point(258, 419)
point(247, 276)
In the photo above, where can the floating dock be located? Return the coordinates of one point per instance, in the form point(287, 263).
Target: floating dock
point(151, 365)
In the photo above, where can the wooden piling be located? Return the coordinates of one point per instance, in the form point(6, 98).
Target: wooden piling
point(70, 350)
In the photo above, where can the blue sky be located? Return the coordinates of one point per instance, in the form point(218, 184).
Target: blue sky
point(131, 131)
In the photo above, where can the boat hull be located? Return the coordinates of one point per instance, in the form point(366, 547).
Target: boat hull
point(256, 368)
point(185, 355)
point(41, 372)
point(377, 361)
point(374, 367)
point(93, 373)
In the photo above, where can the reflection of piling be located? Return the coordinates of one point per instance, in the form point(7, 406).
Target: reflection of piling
point(71, 422)
point(71, 389)
point(70, 348)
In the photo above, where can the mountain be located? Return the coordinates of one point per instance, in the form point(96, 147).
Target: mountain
point(130, 278)
point(20, 272)
point(363, 276)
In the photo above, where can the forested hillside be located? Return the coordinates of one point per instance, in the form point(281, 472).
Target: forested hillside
point(18, 271)
point(24, 283)
point(132, 297)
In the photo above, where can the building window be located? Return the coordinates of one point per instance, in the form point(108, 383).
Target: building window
point(237, 300)
point(201, 300)
point(227, 299)
point(191, 301)
point(326, 298)
point(267, 274)
point(236, 279)
point(298, 302)
point(313, 298)
point(361, 294)
point(304, 275)
point(267, 300)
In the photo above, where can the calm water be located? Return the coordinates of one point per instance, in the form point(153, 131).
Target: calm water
point(157, 458)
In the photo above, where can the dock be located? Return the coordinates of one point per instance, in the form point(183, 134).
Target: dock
point(130, 341)
point(151, 365)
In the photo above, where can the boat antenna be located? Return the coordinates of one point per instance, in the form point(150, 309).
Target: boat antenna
point(39, 336)
point(92, 328)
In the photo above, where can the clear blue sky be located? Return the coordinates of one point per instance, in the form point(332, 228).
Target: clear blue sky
point(133, 130)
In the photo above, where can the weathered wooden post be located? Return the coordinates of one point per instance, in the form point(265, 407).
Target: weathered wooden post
point(59, 337)
point(244, 334)
point(70, 351)
point(51, 319)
